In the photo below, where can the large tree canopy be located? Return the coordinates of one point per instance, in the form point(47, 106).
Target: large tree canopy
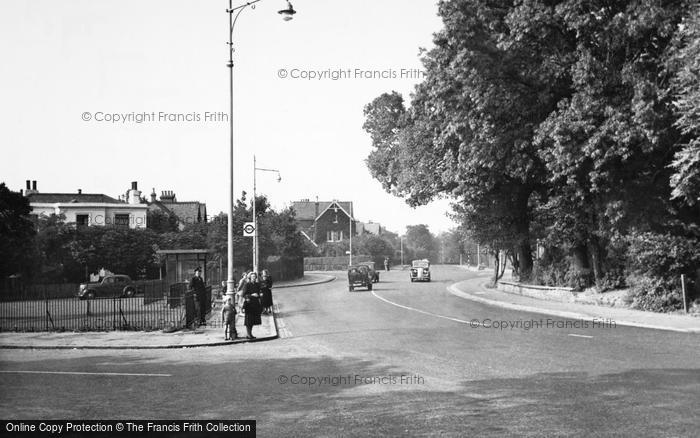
point(566, 121)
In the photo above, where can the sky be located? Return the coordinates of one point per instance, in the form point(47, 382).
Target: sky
point(97, 94)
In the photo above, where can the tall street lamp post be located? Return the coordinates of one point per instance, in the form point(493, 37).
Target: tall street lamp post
point(351, 220)
point(233, 14)
point(256, 251)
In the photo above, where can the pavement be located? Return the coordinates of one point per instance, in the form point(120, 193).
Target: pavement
point(476, 290)
point(204, 336)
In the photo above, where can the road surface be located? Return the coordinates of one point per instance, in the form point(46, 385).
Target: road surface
point(404, 359)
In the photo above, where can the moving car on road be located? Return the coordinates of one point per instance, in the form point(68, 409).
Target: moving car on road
point(420, 270)
point(112, 286)
point(373, 273)
point(359, 276)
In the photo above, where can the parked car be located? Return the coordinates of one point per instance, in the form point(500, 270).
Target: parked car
point(111, 286)
point(359, 276)
point(420, 270)
point(372, 271)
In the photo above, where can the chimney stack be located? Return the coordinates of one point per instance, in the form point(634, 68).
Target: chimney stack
point(31, 188)
point(167, 196)
point(133, 196)
point(153, 194)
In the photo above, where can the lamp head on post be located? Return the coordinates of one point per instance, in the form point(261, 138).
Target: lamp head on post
point(287, 14)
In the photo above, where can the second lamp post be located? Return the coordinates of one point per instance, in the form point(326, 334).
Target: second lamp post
point(256, 251)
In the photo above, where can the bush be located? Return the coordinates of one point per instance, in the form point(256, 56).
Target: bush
point(653, 294)
point(656, 262)
point(663, 255)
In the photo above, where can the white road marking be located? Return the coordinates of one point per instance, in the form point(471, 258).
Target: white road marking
point(86, 373)
point(472, 323)
point(579, 336)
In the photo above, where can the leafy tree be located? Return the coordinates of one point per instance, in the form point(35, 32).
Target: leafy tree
point(451, 246)
point(469, 131)
point(421, 242)
point(377, 247)
point(161, 222)
point(16, 233)
point(605, 146)
point(686, 87)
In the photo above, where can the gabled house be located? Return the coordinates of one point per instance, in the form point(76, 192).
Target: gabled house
point(90, 209)
point(325, 221)
point(182, 213)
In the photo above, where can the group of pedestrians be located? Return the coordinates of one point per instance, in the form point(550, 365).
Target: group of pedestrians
point(254, 298)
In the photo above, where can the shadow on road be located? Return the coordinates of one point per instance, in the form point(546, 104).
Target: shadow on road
point(290, 397)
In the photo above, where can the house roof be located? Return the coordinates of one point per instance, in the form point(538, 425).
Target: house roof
point(67, 198)
point(306, 210)
point(185, 212)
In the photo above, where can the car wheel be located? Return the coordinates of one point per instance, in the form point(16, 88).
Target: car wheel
point(129, 292)
point(369, 286)
point(350, 288)
point(412, 280)
point(91, 295)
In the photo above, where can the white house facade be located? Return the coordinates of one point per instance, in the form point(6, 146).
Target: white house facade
point(91, 209)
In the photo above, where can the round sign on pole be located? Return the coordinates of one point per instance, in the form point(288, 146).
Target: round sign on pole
point(249, 229)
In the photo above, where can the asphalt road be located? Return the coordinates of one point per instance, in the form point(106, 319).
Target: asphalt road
point(405, 359)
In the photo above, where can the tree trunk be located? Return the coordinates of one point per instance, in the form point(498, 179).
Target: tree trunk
point(525, 260)
point(596, 262)
point(496, 267)
point(514, 263)
point(579, 254)
point(522, 229)
point(503, 265)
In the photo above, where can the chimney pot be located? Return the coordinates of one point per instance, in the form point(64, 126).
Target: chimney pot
point(34, 185)
point(29, 185)
point(80, 191)
point(134, 185)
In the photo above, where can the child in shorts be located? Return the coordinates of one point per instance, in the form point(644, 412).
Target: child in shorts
point(228, 319)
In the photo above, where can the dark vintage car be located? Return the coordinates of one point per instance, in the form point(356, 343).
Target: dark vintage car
point(372, 271)
point(359, 276)
point(420, 270)
point(112, 286)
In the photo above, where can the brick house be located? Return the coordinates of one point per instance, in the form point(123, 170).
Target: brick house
point(325, 222)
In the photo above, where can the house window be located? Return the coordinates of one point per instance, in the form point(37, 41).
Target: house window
point(82, 220)
point(335, 218)
point(334, 236)
point(121, 220)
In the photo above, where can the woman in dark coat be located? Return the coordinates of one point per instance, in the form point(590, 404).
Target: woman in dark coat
point(266, 292)
point(251, 304)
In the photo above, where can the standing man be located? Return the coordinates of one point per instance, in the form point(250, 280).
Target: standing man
point(197, 286)
point(386, 264)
